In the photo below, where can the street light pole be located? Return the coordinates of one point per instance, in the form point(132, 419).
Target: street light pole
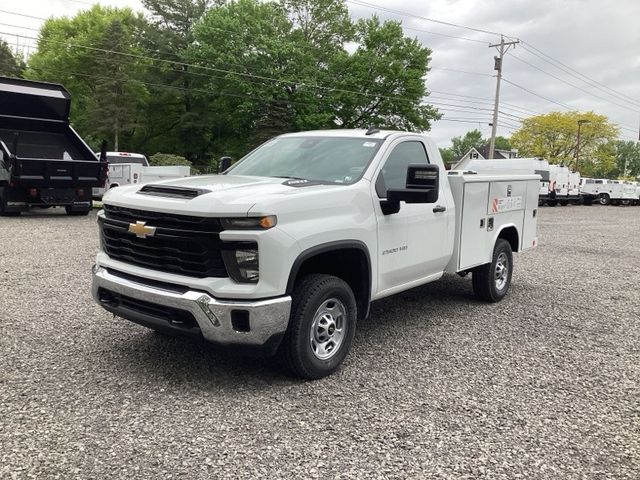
point(580, 123)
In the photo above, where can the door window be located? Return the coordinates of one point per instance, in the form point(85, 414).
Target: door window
point(394, 172)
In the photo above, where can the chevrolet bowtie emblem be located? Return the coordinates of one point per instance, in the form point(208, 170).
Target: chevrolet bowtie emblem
point(141, 230)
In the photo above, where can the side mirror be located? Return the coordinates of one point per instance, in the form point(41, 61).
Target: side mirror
point(422, 186)
point(223, 164)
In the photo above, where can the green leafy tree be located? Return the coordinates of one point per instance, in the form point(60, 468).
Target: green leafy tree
point(164, 159)
point(175, 116)
point(10, 65)
point(628, 159)
point(502, 143)
point(107, 94)
point(298, 75)
point(461, 145)
point(382, 82)
point(554, 136)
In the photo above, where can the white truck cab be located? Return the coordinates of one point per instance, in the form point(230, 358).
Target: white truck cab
point(286, 249)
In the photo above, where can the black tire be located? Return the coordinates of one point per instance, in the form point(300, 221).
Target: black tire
point(564, 203)
point(76, 213)
point(310, 295)
point(552, 203)
point(604, 199)
point(484, 279)
point(4, 213)
point(587, 201)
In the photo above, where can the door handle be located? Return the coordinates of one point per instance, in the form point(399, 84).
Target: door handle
point(439, 208)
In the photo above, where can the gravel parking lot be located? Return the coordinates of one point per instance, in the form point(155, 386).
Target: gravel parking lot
point(542, 385)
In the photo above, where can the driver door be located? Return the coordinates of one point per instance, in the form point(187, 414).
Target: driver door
point(411, 243)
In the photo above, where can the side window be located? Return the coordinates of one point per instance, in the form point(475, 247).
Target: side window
point(394, 172)
point(599, 182)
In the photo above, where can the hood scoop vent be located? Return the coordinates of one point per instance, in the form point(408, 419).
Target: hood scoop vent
point(172, 191)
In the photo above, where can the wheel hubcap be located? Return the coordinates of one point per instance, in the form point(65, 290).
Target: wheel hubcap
point(502, 271)
point(328, 328)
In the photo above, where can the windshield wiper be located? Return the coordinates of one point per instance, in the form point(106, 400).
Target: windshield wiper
point(289, 177)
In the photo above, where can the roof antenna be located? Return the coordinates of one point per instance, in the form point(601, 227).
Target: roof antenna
point(372, 130)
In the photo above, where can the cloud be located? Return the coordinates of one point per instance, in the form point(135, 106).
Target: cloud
point(599, 39)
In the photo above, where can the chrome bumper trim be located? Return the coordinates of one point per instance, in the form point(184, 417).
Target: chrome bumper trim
point(267, 317)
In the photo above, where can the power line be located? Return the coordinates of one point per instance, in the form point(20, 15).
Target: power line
point(461, 71)
point(594, 83)
point(571, 84)
point(537, 94)
point(427, 19)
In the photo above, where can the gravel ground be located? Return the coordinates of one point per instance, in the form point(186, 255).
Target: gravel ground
point(543, 385)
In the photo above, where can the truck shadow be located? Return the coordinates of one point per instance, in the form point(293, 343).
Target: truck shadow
point(196, 364)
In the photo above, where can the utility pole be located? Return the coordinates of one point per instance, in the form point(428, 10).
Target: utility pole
point(502, 47)
point(580, 123)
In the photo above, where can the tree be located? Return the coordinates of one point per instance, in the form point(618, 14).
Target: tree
point(108, 95)
point(175, 118)
point(10, 65)
point(628, 159)
point(382, 82)
point(297, 73)
point(554, 136)
point(461, 145)
point(117, 98)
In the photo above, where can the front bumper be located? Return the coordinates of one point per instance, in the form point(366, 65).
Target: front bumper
point(259, 323)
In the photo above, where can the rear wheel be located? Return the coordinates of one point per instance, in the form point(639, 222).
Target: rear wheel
point(587, 200)
point(552, 203)
point(604, 199)
point(321, 327)
point(3, 209)
point(491, 281)
point(564, 203)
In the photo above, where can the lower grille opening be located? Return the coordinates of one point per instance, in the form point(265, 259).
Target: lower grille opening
point(174, 317)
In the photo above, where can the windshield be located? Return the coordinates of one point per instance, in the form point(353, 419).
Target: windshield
point(323, 159)
point(121, 159)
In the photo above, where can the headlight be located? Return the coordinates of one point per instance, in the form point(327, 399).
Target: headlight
point(242, 261)
point(261, 223)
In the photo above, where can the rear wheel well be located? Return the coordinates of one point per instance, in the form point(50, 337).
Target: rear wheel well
point(351, 264)
point(510, 234)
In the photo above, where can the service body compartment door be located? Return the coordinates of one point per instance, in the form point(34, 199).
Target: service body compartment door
point(529, 228)
point(474, 239)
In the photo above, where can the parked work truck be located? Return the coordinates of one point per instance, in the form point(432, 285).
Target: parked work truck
point(43, 161)
point(127, 168)
point(286, 249)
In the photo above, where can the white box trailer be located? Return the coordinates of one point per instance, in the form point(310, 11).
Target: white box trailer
point(515, 166)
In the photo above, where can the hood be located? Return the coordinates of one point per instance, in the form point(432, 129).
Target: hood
point(224, 195)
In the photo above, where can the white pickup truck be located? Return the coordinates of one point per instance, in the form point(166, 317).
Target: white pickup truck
point(130, 168)
point(287, 248)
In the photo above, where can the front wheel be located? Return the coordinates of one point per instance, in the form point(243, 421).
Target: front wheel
point(604, 199)
point(491, 281)
point(321, 327)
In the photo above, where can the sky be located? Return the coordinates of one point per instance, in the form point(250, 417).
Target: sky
point(597, 43)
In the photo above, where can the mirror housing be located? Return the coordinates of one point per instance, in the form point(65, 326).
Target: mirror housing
point(223, 164)
point(422, 186)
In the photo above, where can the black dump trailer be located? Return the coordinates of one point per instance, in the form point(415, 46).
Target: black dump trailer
point(43, 161)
